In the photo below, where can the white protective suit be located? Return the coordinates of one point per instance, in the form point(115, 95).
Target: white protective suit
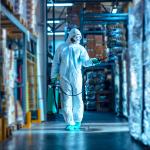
point(67, 63)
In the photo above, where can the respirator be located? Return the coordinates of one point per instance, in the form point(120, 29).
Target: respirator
point(76, 38)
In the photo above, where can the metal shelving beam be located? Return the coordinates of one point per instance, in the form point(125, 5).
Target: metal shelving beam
point(107, 19)
point(59, 19)
point(105, 15)
point(24, 73)
point(94, 32)
point(106, 22)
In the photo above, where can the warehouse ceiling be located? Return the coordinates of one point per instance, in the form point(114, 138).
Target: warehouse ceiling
point(70, 16)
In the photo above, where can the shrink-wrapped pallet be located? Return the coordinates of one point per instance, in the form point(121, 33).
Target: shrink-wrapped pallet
point(135, 69)
point(9, 77)
point(146, 121)
point(117, 89)
point(124, 91)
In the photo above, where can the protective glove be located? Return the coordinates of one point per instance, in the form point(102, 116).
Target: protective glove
point(95, 60)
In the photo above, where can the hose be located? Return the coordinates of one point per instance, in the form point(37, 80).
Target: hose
point(57, 85)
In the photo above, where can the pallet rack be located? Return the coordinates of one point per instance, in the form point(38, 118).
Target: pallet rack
point(97, 24)
point(18, 31)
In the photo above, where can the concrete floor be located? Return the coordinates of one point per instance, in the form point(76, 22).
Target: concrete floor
point(100, 131)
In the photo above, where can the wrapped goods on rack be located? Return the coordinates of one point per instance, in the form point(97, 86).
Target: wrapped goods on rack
point(96, 89)
point(117, 45)
point(9, 77)
point(117, 89)
point(116, 39)
point(135, 69)
point(124, 91)
point(3, 103)
point(146, 121)
point(94, 83)
point(1, 67)
point(2, 80)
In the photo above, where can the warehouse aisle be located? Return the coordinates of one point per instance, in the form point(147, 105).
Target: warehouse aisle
point(100, 131)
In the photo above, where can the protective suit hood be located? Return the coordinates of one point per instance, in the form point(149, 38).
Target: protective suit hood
point(74, 36)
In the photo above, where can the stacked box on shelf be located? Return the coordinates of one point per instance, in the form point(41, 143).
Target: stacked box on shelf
point(20, 10)
point(29, 12)
point(74, 14)
point(33, 8)
point(95, 46)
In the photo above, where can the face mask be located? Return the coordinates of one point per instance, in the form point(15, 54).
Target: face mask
point(76, 38)
point(72, 40)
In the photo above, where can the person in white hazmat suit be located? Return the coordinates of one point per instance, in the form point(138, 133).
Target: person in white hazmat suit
point(67, 63)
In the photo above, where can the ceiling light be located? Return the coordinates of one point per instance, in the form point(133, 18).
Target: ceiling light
point(114, 10)
point(49, 29)
point(51, 21)
point(56, 33)
point(59, 4)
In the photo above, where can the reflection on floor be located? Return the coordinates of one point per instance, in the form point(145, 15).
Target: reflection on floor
point(99, 131)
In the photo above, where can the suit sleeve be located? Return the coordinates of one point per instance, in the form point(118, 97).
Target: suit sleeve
point(84, 57)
